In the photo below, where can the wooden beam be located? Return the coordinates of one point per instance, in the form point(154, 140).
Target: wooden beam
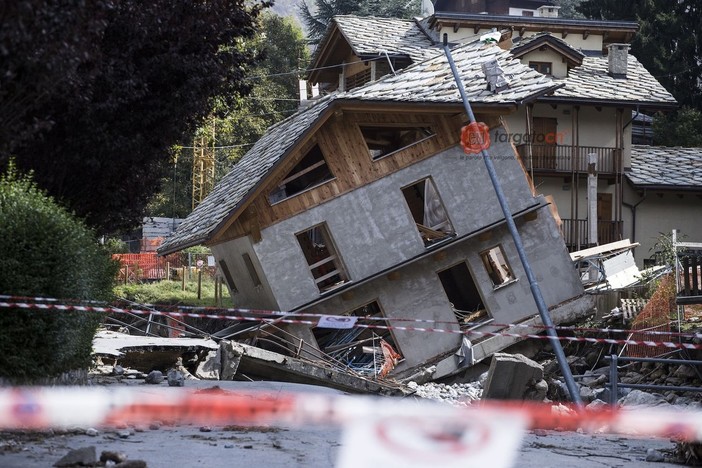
point(522, 31)
point(456, 27)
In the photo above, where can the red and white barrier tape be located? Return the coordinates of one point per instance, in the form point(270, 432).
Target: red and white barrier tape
point(46, 407)
point(104, 309)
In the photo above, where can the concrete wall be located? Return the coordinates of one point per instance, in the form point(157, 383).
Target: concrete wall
point(661, 212)
point(372, 227)
point(415, 291)
point(246, 295)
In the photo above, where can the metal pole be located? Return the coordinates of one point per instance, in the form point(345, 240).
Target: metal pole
point(613, 378)
point(533, 284)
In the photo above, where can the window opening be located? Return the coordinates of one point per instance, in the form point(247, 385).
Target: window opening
point(428, 211)
point(322, 258)
point(463, 295)
point(364, 350)
point(497, 266)
point(252, 271)
point(385, 140)
point(228, 276)
point(542, 67)
point(311, 171)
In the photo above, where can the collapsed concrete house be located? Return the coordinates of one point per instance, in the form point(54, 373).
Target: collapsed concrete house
point(364, 204)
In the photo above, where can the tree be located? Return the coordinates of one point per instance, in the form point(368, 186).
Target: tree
point(681, 128)
point(46, 252)
point(238, 123)
point(569, 8)
point(316, 19)
point(128, 81)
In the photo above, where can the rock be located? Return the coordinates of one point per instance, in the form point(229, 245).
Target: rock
point(86, 456)
point(205, 429)
point(537, 392)
point(586, 394)
point(131, 464)
point(118, 370)
point(631, 378)
point(599, 381)
point(596, 405)
point(510, 376)
point(685, 372)
point(653, 455)
point(592, 358)
point(209, 368)
point(175, 378)
point(155, 377)
point(115, 457)
point(92, 432)
point(639, 398)
point(154, 426)
point(577, 364)
point(124, 434)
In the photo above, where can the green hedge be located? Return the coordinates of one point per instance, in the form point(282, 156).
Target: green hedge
point(46, 251)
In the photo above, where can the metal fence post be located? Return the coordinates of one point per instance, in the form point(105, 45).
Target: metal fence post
point(613, 378)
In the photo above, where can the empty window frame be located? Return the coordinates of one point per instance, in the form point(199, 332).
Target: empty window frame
point(383, 140)
point(428, 211)
point(358, 348)
point(251, 269)
point(311, 171)
point(228, 276)
point(321, 256)
point(496, 265)
point(463, 295)
point(541, 67)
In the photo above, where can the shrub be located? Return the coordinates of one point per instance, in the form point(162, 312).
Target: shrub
point(46, 251)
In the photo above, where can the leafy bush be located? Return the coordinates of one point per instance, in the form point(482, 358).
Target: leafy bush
point(46, 251)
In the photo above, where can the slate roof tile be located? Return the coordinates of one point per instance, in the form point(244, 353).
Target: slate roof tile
point(665, 166)
point(426, 82)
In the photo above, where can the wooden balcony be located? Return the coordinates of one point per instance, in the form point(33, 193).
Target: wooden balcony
point(575, 233)
point(566, 159)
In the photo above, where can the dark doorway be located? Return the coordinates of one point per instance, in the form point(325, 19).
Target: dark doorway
point(463, 294)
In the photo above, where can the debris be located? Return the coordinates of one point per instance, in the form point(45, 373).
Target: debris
point(268, 365)
point(205, 429)
point(209, 368)
point(511, 377)
point(131, 464)
point(115, 457)
point(118, 370)
point(639, 398)
point(175, 378)
point(92, 432)
point(154, 377)
point(124, 434)
point(653, 455)
point(86, 456)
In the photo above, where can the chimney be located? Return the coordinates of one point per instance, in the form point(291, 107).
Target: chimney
point(495, 76)
point(548, 11)
point(618, 56)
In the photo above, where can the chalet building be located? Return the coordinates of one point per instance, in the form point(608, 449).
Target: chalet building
point(603, 94)
point(663, 192)
point(363, 203)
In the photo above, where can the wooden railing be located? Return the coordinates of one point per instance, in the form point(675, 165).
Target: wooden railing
point(690, 289)
point(576, 235)
point(557, 158)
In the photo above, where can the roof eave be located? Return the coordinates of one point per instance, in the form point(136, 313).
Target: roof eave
point(610, 102)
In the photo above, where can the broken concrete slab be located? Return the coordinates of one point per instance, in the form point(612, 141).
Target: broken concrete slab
point(146, 353)
point(210, 367)
point(257, 363)
point(511, 377)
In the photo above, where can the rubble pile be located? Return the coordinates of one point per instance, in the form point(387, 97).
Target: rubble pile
point(459, 394)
